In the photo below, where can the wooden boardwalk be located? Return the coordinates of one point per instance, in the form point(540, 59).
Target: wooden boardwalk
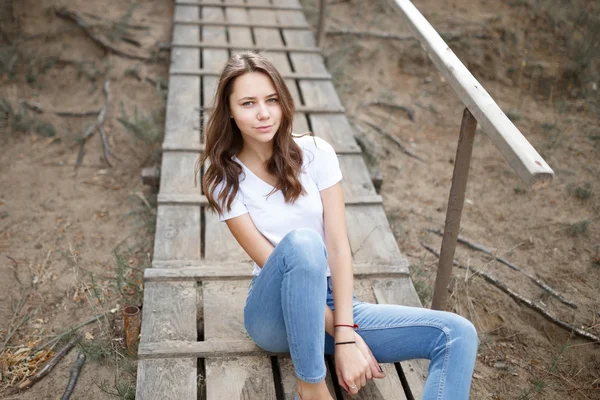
point(193, 334)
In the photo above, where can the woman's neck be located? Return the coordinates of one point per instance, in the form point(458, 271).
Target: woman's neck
point(258, 153)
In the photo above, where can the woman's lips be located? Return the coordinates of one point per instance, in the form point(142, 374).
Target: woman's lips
point(265, 128)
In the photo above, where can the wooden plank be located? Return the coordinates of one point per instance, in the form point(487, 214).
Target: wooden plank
point(169, 314)
point(186, 58)
point(182, 116)
point(336, 129)
point(371, 239)
point(167, 379)
point(232, 377)
point(401, 291)
point(515, 148)
point(169, 311)
point(177, 174)
point(170, 308)
point(356, 181)
point(205, 349)
point(201, 22)
point(203, 271)
point(212, 59)
point(289, 76)
point(177, 233)
point(236, 5)
point(210, 45)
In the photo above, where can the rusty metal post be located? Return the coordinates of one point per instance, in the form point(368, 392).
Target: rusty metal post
point(455, 206)
point(131, 324)
point(321, 26)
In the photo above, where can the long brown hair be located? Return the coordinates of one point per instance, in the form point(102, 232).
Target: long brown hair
point(224, 140)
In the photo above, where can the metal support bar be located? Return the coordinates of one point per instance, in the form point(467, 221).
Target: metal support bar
point(455, 206)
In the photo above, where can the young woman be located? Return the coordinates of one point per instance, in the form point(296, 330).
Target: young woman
point(281, 197)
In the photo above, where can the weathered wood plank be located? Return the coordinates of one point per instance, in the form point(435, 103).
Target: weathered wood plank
point(182, 118)
point(401, 291)
point(167, 379)
point(203, 271)
point(186, 58)
point(336, 129)
point(201, 22)
point(169, 314)
point(236, 5)
point(289, 76)
point(212, 59)
point(210, 45)
point(204, 349)
point(177, 173)
point(233, 377)
point(177, 233)
point(169, 311)
point(371, 238)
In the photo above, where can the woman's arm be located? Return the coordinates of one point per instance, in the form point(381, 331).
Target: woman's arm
point(249, 237)
point(339, 256)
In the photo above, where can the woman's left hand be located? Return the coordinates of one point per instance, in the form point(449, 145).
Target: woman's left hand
point(352, 368)
point(376, 371)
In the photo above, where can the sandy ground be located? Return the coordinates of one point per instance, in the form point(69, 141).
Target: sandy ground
point(58, 229)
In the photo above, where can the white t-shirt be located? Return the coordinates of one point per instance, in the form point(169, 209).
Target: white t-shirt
point(272, 216)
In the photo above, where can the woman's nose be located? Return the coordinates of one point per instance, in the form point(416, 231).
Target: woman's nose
point(263, 112)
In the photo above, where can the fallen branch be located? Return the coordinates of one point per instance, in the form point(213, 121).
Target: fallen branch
point(105, 148)
point(102, 41)
point(48, 367)
point(363, 34)
point(77, 113)
point(408, 110)
point(394, 139)
point(73, 375)
point(537, 281)
point(70, 330)
point(520, 299)
point(447, 36)
point(96, 126)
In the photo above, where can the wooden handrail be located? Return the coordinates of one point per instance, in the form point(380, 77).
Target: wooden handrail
point(515, 148)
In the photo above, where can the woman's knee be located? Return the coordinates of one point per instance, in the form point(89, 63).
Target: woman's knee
point(463, 330)
point(307, 245)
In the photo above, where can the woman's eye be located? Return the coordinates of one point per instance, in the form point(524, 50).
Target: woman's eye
point(274, 100)
point(247, 103)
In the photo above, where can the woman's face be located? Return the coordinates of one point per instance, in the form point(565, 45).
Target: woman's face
point(254, 105)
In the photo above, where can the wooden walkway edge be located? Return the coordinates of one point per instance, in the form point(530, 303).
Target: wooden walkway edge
point(193, 341)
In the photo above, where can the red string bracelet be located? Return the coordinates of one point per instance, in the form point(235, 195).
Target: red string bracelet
point(349, 326)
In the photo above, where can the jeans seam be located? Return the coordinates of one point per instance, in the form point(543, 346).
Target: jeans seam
point(372, 328)
point(444, 365)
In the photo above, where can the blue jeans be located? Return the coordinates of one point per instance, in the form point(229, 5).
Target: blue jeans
point(285, 308)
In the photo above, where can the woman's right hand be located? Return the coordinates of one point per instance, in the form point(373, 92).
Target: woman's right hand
point(376, 372)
